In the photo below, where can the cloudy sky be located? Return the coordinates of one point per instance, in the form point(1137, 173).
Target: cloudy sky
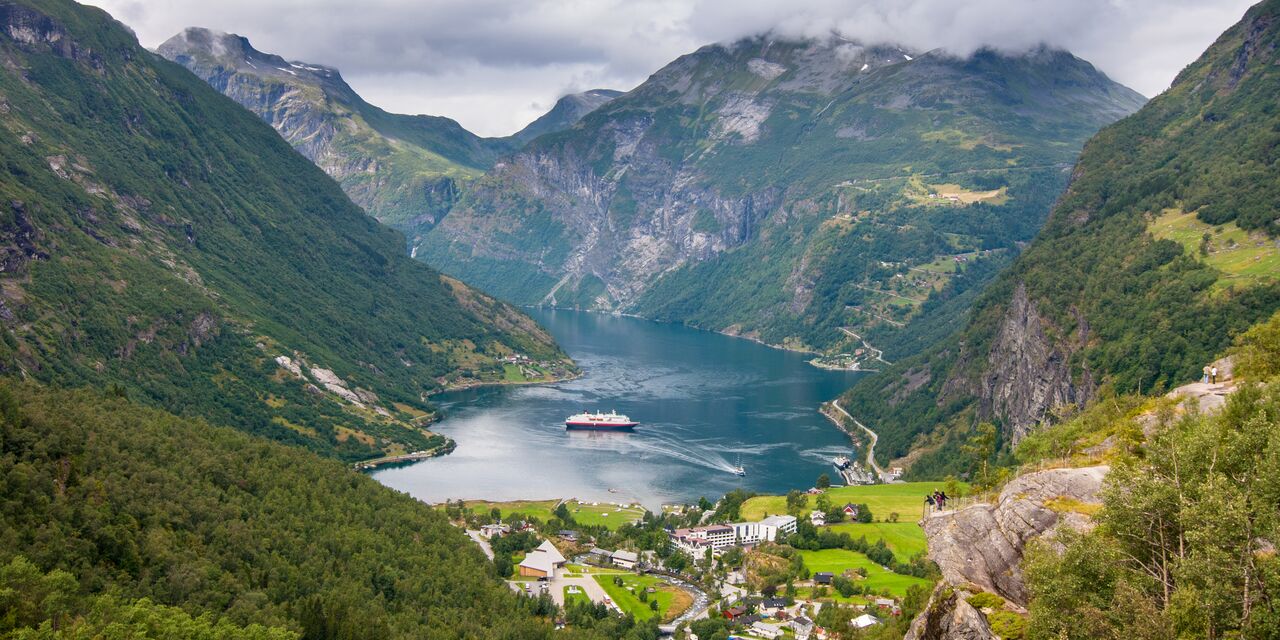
point(494, 65)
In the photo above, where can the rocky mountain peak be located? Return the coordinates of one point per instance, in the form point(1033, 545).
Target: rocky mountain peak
point(198, 46)
point(568, 110)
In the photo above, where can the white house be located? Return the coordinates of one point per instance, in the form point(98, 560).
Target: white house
point(625, 559)
point(802, 626)
point(766, 530)
point(769, 631)
point(494, 530)
point(817, 518)
point(863, 621)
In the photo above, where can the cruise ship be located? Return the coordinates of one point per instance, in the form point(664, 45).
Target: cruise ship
point(612, 421)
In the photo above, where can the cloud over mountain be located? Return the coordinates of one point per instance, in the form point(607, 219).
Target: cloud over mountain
point(495, 65)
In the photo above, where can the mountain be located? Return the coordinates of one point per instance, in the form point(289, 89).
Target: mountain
point(157, 236)
point(123, 521)
point(1163, 248)
point(404, 170)
point(567, 111)
point(784, 190)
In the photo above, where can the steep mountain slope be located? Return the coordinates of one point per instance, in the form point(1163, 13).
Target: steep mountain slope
point(404, 170)
point(567, 111)
point(783, 190)
point(1162, 249)
point(107, 502)
point(157, 236)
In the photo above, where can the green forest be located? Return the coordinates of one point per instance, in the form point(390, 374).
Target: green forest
point(113, 511)
point(1184, 546)
point(161, 238)
point(1130, 310)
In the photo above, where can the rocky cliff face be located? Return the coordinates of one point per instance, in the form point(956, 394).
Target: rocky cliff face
point(760, 187)
point(979, 548)
point(1028, 372)
point(567, 111)
point(982, 544)
point(949, 617)
point(406, 171)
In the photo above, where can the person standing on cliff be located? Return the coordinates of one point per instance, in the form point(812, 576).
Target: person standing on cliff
point(1205, 379)
point(928, 503)
point(1214, 373)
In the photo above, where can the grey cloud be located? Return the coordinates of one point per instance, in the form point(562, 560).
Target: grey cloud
point(494, 64)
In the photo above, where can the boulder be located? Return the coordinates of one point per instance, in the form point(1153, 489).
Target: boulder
point(949, 616)
point(983, 544)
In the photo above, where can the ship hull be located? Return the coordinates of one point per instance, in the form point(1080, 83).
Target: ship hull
point(596, 426)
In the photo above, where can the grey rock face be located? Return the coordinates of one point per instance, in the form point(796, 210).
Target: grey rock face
point(949, 617)
point(983, 544)
point(1030, 373)
point(566, 113)
point(403, 170)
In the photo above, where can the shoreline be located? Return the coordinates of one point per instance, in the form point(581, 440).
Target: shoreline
point(504, 383)
point(450, 445)
point(723, 332)
point(870, 449)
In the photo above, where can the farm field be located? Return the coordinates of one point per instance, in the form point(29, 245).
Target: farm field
point(906, 498)
point(540, 509)
point(905, 539)
point(838, 561)
point(608, 515)
point(1243, 258)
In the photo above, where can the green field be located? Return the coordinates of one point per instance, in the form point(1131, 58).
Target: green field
point(1243, 258)
point(608, 515)
point(540, 509)
point(575, 597)
point(837, 561)
point(905, 498)
point(672, 601)
point(905, 539)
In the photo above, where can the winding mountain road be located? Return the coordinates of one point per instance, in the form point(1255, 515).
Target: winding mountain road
point(871, 449)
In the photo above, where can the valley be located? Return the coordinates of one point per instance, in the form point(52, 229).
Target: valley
point(916, 340)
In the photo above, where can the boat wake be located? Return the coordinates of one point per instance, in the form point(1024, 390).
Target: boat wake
point(675, 449)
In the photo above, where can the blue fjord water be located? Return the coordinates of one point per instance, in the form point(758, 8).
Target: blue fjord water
point(704, 400)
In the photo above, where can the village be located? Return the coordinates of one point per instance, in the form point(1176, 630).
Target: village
point(800, 566)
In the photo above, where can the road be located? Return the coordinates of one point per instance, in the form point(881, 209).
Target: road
point(871, 449)
point(877, 354)
point(484, 544)
point(589, 586)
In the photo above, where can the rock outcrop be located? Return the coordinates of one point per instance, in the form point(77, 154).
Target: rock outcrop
point(403, 170)
point(982, 544)
point(1029, 374)
point(567, 111)
point(949, 617)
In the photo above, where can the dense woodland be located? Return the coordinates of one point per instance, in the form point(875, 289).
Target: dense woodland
point(160, 237)
point(114, 512)
point(1185, 543)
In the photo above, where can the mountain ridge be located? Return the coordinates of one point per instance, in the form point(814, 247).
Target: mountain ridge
point(407, 171)
point(758, 160)
point(158, 237)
